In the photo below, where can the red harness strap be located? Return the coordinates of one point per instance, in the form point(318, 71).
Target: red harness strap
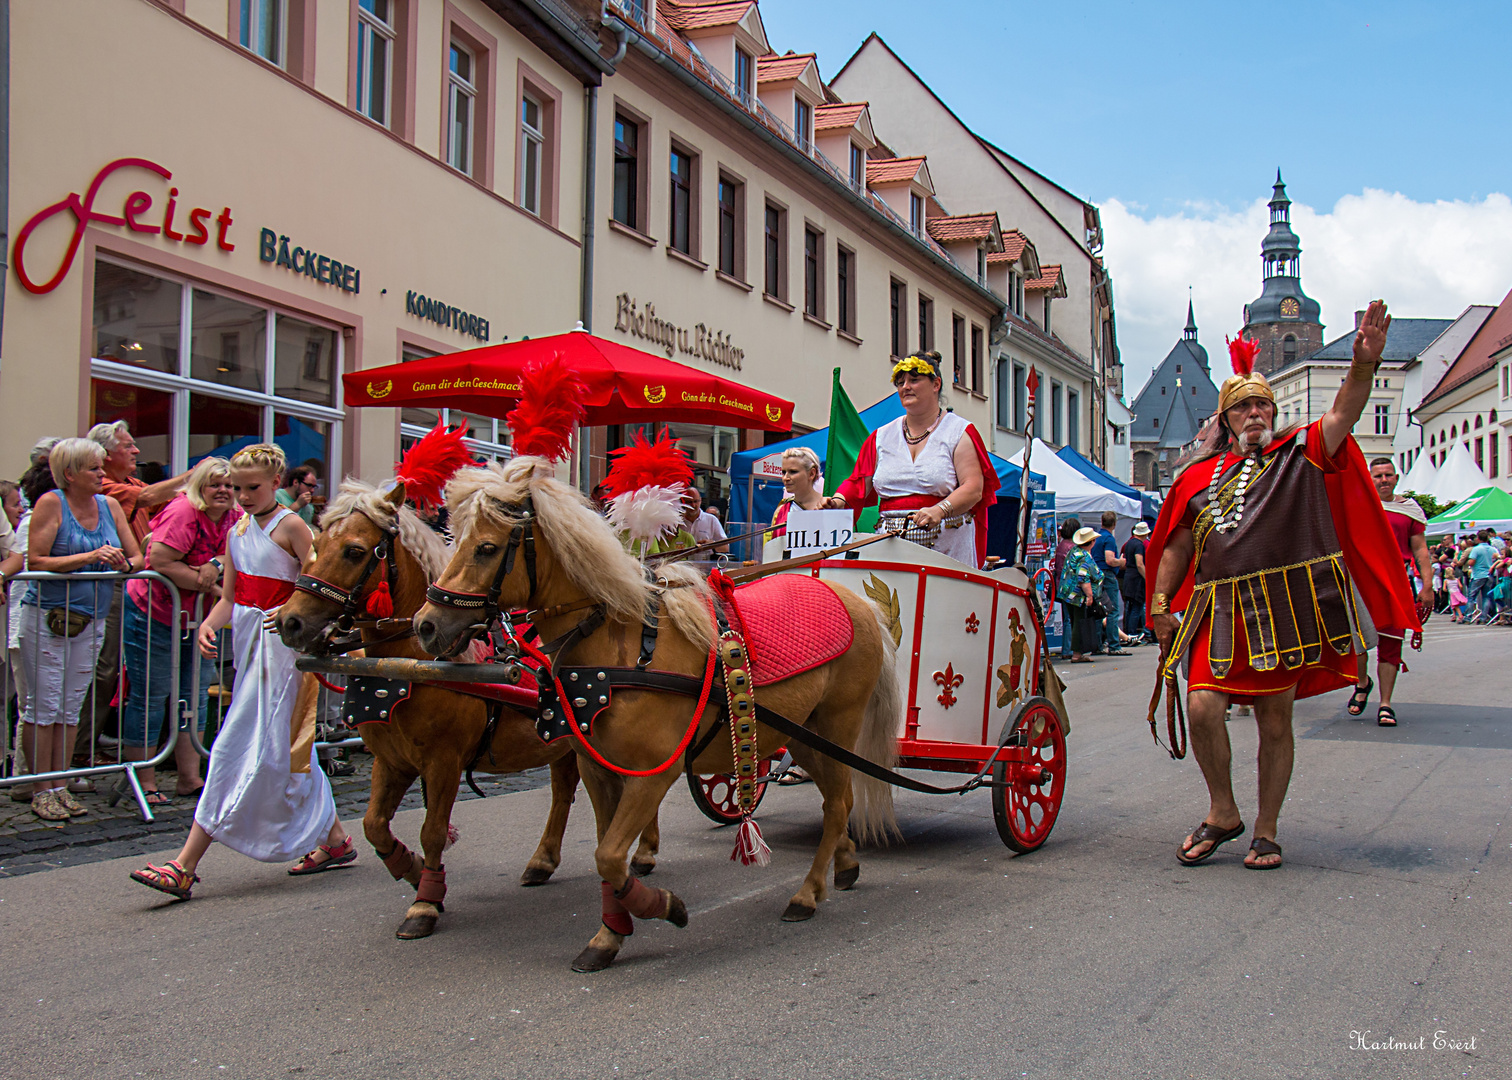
point(616, 915)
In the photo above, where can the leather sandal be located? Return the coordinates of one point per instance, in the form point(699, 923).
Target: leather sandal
point(1360, 697)
point(343, 854)
point(172, 879)
point(1386, 716)
point(1262, 847)
point(1207, 833)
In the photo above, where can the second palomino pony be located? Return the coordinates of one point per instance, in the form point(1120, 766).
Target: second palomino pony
point(528, 541)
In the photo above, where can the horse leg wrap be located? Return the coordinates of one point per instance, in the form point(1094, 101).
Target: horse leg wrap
point(398, 861)
point(616, 916)
point(432, 886)
point(642, 902)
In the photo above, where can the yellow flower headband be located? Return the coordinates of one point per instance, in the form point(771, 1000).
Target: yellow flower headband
point(916, 364)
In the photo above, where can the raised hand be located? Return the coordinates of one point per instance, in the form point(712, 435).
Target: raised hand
point(1370, 339)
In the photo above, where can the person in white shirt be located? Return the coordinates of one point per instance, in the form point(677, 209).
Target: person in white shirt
point(704, 525)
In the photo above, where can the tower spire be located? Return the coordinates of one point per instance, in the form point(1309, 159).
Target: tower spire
point(1190, 333)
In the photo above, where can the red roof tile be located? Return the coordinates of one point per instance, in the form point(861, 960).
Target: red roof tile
point(1050, 277)
point(838, 117)
point(775, 68)
point(959, 227)
point(1014, 243)
point(686, 16)
point(1492, 337)
point(892, 170)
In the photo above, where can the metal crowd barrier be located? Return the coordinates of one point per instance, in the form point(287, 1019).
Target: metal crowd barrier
point(105, 645)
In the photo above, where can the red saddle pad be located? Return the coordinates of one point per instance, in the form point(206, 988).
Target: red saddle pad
point(792, 623)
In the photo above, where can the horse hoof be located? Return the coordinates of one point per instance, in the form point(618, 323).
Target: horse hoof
point(677, 911)
point(594, 959)
point(642, 869)
point(535, 875)
point(797, 912)
point(416, 926)
point(844, 879)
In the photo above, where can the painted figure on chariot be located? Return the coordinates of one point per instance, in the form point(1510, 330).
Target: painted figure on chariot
point(1275, 548)
point(928, 470)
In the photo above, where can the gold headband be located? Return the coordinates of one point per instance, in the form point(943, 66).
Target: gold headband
point(1238, 387)
point(916, 364)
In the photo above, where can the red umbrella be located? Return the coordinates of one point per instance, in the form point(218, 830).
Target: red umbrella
point(625, 385)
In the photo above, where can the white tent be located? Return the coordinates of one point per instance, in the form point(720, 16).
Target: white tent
point(1459, 477)
point(1420, 477)
point(1076, 495)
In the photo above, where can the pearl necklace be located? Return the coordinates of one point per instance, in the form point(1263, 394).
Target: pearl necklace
point(1229, 521)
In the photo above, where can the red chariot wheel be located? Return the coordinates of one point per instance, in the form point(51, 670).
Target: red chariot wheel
point(1030, 778)
point(715, 793)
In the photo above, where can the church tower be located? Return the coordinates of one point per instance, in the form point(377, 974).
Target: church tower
point(1283, 320)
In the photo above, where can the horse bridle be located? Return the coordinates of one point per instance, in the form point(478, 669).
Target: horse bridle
point(521, 539)
point(351, 600)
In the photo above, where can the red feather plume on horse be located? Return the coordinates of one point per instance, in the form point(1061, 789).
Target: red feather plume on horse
point(551, 405)
point(1242, 353)
point(647, 464)
point(430, 463)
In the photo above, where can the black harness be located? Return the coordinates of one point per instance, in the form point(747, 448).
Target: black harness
point(521, 538)
point(351, 599)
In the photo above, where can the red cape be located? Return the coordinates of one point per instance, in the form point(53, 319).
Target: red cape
point(858, 494)
point(1370, 548)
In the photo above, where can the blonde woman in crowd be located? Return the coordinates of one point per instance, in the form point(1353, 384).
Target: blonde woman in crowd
point(75, 528)
point(257, 799)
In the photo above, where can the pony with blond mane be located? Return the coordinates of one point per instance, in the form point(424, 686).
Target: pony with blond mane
point(438, 731)
point(576, 566)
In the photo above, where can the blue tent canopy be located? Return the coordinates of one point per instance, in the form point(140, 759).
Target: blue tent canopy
point(1098, 475)
point(757, 507)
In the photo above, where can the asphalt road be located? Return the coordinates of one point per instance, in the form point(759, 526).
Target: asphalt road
point(1097, 956)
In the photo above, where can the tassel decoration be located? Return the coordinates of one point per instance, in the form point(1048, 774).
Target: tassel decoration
point(749, 846)
point(452, 836)
point(430, 463)
point(551, 405)
point(648, 464)
point(380, 602)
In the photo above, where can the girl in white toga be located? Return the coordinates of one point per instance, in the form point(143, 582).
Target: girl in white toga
point(254, 800)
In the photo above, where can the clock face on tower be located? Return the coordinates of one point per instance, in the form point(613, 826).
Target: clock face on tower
point(1290, 309)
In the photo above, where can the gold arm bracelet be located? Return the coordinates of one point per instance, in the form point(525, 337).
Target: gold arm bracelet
point(1161, 605)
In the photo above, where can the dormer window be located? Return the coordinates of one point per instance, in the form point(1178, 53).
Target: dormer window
point(981, 266)
point(745, 73)
point(916, 212)
point(858, 169)
point(803, 121)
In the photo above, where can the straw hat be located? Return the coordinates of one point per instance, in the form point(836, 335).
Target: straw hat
point(1141, 529)
point(1084, 536)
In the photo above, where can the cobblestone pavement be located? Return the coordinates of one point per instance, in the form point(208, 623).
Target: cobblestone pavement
point(29, 844)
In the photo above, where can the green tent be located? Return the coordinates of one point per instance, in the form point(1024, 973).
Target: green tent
point(1488, 508)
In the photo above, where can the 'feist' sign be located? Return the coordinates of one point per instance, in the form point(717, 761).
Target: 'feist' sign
point(713, 346)
point(453, 318)
point(133, 212)
point(274, 249)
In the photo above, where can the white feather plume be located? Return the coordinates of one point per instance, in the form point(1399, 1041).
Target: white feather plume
point(648, 514)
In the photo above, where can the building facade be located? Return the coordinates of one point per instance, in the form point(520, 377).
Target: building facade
point(1472, 403)
point(280, 193)
point(1285, 322)
point(1171, 409)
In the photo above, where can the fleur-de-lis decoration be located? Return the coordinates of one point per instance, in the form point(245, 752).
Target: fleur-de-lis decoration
point(949, 680)
point(973, 624)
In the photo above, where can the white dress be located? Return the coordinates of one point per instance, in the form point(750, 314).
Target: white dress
point(252, 802)
point(933, 473)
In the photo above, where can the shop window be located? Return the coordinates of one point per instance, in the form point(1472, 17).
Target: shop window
point(845, 289)
point(976, 359)
point(774, 278)
point(683, 203)
point(958, 349)
point(375, 46)
point(462, 97)
point(731, 226)
point(136, 318)
point(1073, 421)
point(898, 300)
point(196, 372)
point(813, 273)
point(629, 180)
point(926, 323)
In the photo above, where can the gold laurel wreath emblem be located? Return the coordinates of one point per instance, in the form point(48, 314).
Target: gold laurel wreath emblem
point(655, 395)
point(378, 391)
point(774, 413)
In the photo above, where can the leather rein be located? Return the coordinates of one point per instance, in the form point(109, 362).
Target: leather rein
point(345, 633)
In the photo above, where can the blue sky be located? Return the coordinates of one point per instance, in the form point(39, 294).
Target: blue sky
point(1162, 105)
point(1388, 121)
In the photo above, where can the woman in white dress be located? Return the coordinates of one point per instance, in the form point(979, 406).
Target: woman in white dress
point(928, 467)
point(256, 799)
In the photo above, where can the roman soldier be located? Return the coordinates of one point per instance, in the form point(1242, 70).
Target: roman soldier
point(1268, 544)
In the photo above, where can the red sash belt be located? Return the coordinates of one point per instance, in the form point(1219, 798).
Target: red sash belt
point(908, 502)
point(265, 593)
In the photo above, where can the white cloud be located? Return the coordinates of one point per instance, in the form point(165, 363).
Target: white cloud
point(1428, 260)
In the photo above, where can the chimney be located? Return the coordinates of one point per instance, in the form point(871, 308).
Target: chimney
point(1359, 317)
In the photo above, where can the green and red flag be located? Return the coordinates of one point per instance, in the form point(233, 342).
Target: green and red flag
point(846, 434)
